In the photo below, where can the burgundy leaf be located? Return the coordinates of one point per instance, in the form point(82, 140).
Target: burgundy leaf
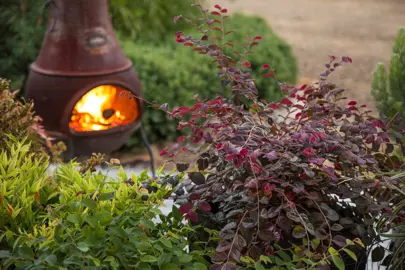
point(265, 66)
point(181, 167)
point(163, 152)
point(185, 208)
point(192, 215)
point(274, 106)
point(286, 101)
point(197, 178)
point(194, 197)
point(204, 206)
point(309, 152)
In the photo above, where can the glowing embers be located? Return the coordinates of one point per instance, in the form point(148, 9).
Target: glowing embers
point(102, 108)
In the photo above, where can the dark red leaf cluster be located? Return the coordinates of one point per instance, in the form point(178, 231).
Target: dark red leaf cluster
point(281, 172)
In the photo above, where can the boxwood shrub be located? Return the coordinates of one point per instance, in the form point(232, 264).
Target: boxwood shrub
point(169, 74)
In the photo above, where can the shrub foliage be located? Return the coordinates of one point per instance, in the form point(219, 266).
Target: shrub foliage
point(388, 87)
point(17, 119)
point(279, 178)
point(73, 220)
point(169, 74)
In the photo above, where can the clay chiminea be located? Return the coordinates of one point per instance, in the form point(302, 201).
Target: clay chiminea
point(81, 82)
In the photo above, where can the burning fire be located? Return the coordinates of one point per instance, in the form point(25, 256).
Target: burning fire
point(103, 108)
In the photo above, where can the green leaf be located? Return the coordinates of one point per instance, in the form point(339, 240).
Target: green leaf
point(148, 258)
point(259, 266)
point(26, 252)
point(166, 242)
point(72, 260)
point(284, 256)
point(90, 203)
point(247, 260)
point(144, 265)
point(299, 232)
point(4, 254)
point(116, 231)
point(333, 251)
point(148, 224)
point(82, 246)
point(51, 259)
point(73, 218)
point(265, 259)
point(113, 262)
point(377, 254)
point(199, 266)
point(359, 242)
point(338, 262)
point(185, 258)
point(315, 243)
point(106, 196)
point(164, 258)
point(350, 253)
point(170, 266)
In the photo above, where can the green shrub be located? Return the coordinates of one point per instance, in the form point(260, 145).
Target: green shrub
point(22, 29)
point(22, 186)
point(388, 90)
point(169, 74)
point(71, 220)
point(148, 20)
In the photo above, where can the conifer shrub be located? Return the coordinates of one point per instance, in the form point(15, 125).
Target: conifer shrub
point(388, 86)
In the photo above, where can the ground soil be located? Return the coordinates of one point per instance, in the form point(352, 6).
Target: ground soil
point(362, 29)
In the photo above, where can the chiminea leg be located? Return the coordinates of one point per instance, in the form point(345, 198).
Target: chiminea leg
point(69, 154)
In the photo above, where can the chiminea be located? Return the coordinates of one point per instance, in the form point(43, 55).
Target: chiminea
point(82, 83)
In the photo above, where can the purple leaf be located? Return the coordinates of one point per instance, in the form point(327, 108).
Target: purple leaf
point(272, 155)
point(317, 161)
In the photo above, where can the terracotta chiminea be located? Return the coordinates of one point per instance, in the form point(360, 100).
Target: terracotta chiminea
point(81, 79)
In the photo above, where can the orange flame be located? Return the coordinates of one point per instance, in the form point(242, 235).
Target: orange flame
point(102, 108)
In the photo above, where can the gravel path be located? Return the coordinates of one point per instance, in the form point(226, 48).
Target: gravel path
point(362, 29)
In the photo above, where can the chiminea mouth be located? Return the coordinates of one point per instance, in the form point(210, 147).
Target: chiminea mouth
point(105, 107)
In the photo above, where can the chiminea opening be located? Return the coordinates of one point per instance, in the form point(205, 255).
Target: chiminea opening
point(102, 108)
point(82, 83)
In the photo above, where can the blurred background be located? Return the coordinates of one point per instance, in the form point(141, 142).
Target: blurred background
point(365, 30)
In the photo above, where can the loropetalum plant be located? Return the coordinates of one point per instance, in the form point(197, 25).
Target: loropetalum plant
point(275, 177)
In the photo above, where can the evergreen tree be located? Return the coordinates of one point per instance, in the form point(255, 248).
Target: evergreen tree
point(388, 90)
